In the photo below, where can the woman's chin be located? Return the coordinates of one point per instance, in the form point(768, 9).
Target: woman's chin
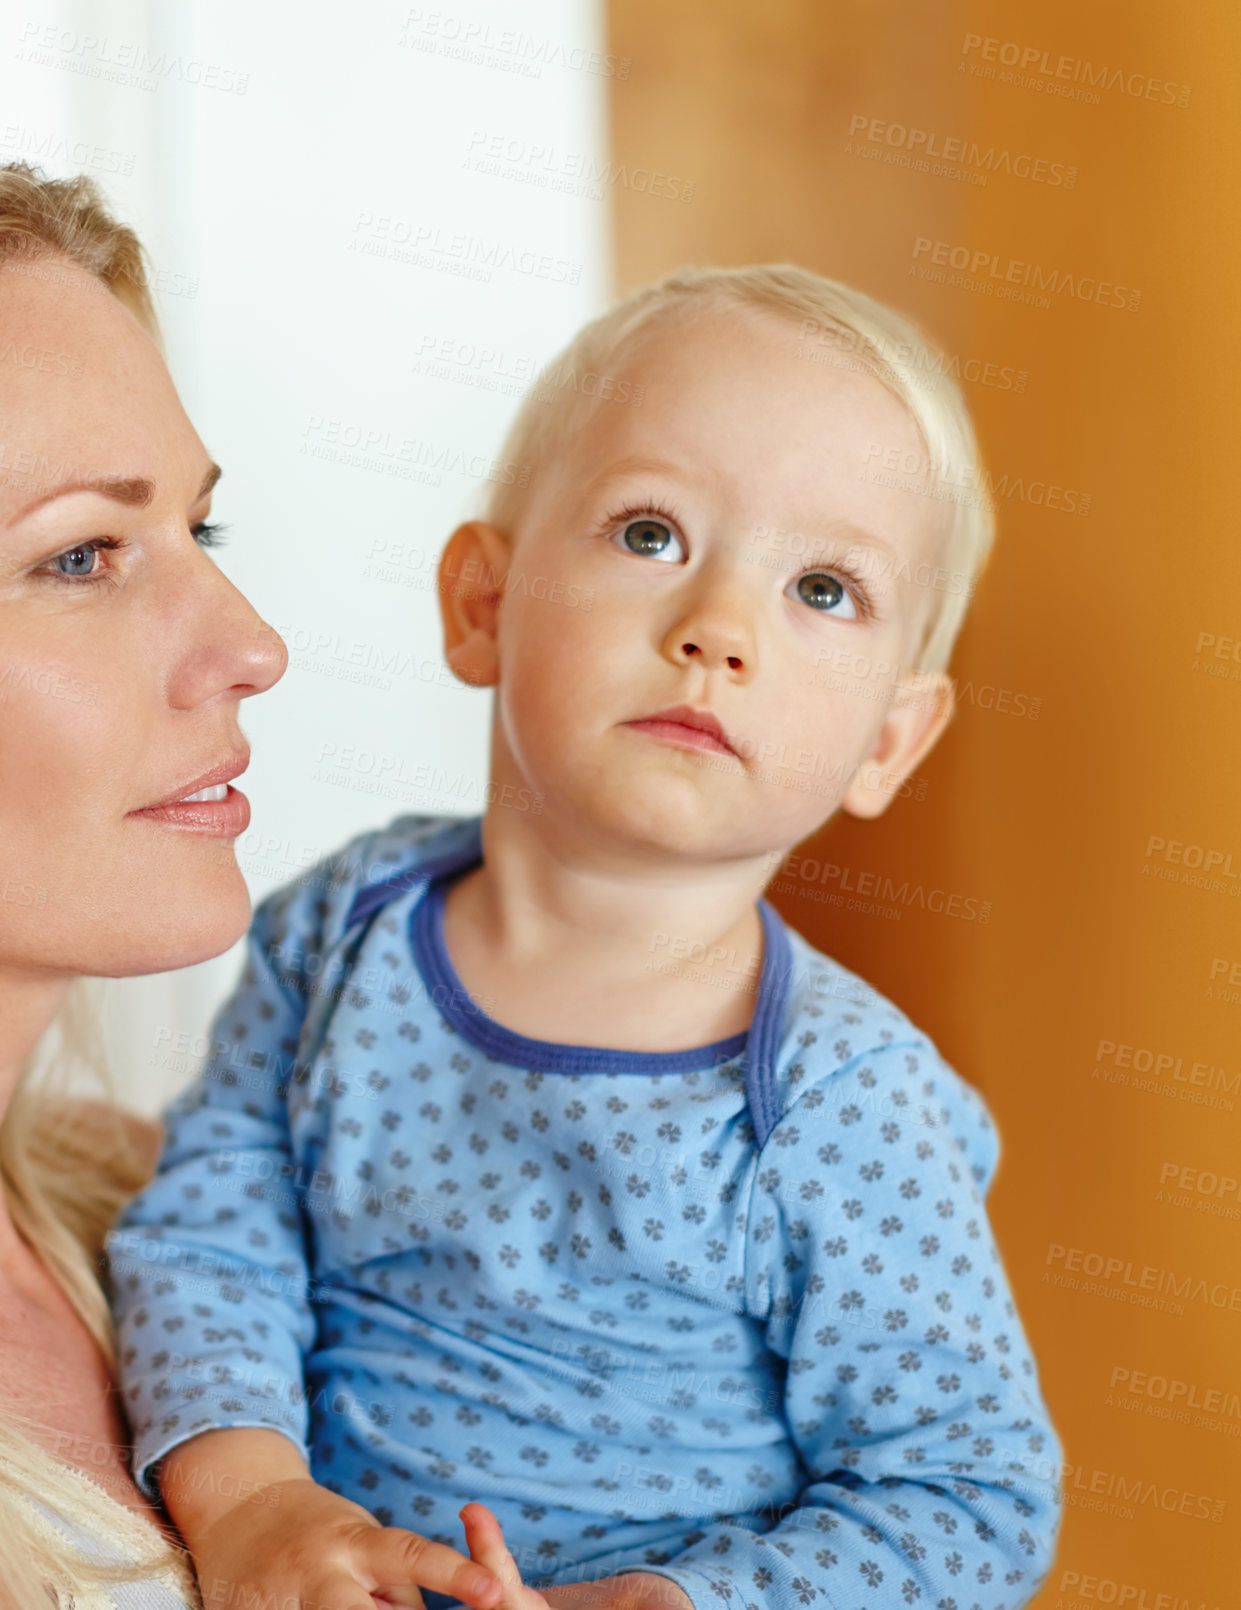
point(192, 921)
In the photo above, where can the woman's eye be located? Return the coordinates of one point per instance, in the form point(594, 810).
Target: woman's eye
point(652, 539)
point(77, 561)
point(823, 591)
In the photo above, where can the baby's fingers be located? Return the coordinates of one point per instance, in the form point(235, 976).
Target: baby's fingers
point(487, 1546)
point(394, 1558)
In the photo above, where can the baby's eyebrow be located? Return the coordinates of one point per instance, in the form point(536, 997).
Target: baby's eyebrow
point(833, 541)
point(639, 464)
point(868, 539)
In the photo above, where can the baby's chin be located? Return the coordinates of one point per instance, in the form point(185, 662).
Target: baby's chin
point(680, 818)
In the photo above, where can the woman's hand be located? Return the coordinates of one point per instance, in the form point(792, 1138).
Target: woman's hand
point(636, 1590)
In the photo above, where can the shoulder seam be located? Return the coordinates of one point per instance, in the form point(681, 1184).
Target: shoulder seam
point(760, 1151)
point(910, 1042)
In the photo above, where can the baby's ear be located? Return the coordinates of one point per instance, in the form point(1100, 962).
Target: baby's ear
point(470, 583)
point(921, 707)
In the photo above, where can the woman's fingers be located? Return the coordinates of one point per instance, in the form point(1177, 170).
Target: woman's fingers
point(403, 1598)
point(398, 1559)
point(340, 1591)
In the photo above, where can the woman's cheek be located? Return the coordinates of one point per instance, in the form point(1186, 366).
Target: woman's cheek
point(67, 738)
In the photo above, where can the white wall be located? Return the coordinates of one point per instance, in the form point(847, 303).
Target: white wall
point(304, 177)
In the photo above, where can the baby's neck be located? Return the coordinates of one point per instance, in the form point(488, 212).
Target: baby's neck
point(562, 950)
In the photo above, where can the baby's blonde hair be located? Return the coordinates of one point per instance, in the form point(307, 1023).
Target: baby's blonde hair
point(838, 326)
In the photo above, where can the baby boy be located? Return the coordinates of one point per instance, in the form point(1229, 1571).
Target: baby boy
point(538, 1165)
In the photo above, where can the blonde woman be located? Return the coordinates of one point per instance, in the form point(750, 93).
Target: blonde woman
point(124, 657)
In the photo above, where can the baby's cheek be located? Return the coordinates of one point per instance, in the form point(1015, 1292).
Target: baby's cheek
point(556, 662)
point(538, 703)
point(810, 753)
point(832, 716)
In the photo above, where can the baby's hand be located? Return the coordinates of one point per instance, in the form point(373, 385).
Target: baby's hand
point(307, 1545)
point(636, 1590)
point(487, 1547)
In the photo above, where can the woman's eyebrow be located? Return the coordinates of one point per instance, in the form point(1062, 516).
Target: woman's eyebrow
point(136, 491)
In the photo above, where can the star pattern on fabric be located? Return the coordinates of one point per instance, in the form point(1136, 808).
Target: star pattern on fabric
point(787, 1373)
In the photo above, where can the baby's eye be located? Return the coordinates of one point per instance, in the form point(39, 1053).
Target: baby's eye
point(823, 591)
point(653, 539)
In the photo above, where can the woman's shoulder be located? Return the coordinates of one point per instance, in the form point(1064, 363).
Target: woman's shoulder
point(89, 1125)
point(87, 1526)
point(92, 1157)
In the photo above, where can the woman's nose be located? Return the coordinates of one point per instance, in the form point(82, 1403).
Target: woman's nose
point(267, 656)
point(227, 647)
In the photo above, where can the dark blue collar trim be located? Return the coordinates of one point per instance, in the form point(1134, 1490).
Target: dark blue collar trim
point(467, 851)
point(760, 1041)
point(767, 1028)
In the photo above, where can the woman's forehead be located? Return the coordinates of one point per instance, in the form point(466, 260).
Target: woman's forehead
point(84, 392)
point(63, 324)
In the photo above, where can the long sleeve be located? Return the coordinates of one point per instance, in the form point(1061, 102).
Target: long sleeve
point(909, 1386)
point(210, 1285)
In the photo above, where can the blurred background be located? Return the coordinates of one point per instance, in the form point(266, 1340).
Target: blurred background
point(370, 229)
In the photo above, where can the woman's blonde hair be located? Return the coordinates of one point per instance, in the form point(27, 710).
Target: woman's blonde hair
point(837, 326)
point(69, 1157)
point(46, 221)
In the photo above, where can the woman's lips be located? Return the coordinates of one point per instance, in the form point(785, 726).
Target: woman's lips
point(676, 732)
point(218, 818)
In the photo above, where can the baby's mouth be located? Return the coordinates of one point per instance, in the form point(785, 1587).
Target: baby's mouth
point(687, 728)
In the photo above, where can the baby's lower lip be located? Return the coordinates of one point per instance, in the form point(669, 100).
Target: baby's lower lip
point(676, 732)
point(225, 818)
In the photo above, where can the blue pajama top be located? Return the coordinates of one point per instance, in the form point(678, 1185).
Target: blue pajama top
point(734, 1315)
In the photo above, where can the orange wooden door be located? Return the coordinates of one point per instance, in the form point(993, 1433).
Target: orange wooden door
point(1089, 790)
